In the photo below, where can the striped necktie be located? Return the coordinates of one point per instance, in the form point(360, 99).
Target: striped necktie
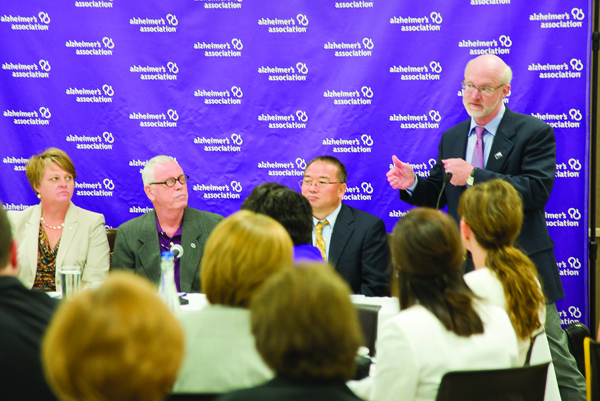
point(319, 238)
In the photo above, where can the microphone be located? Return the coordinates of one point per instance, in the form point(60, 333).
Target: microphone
point(447, 179)
point(177, 251)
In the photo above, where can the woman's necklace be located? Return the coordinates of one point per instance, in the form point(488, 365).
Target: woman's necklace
point(52, 227)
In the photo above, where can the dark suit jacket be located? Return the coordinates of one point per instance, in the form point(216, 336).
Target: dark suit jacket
point(359, 251)
point(524, 154)
point(137, 248)
point(280, 389)
point(24, 316)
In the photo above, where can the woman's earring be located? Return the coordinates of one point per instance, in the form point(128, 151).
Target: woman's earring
point(39, 196)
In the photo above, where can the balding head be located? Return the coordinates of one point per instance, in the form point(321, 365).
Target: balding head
point(498, 70)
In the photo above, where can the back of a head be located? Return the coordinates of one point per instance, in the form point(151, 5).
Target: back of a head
point(428, 256)
point(493, 210)
point(288, 207)
point(6, 238)
point(305, 325)
point(427, 243)
point(118, 342)
point(241, 253)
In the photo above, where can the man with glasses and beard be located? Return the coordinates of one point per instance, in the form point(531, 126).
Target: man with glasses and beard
point(140, 241)
point(496, 142)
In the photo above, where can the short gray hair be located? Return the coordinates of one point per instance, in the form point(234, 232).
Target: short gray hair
point(148, 171)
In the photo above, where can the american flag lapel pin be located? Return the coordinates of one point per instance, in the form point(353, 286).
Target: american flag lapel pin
point(498, 155)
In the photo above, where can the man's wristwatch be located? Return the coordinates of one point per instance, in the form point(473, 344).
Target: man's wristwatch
point(471, 177)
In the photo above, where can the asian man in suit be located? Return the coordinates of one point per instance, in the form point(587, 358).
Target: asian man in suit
point(353, 241)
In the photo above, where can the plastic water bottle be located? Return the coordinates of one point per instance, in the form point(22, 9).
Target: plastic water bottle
point(167, 289)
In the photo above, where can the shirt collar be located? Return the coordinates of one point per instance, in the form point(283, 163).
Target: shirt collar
point(331, 218)
point(160, 230)
point(492, 126)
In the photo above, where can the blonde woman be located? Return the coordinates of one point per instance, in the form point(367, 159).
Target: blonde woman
point(491, 218)
point(55, 232)
point(241, 253)
point(116, 343)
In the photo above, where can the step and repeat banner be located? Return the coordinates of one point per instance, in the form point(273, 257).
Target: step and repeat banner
point(242, 92)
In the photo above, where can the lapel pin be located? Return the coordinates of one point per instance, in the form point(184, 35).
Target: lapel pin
point(498, 155)
point(193, 245)
point(70, 228)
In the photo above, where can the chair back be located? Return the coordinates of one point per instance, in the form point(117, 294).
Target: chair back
point(527, 383)
point(592, 368)
point(576, 333)
point(192, 397)
point(111, 234)
point(368, 319)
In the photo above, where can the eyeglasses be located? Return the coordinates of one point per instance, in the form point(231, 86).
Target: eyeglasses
point(319, 184)
point(484, 90)
point(170, 182)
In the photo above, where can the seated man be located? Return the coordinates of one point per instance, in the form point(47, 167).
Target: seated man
point(353, 241)
point(24, 316)
point(140, 241)
point(291, 210)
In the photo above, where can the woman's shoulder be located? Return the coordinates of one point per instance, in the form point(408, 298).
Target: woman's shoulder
point(213, 318)
point(484, 283)
point(19, 217)
point(414, 321)
point(85, 214)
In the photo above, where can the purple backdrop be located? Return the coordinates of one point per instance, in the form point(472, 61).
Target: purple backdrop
point(243, 92)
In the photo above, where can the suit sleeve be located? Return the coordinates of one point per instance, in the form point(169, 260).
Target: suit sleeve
point(97, 261)
point(537, 169)
point(376, 261)
point(123, 257)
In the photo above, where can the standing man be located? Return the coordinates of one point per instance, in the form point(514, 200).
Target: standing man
point(499, 143)
point(140, 241)
point(24, 316)
point(353, 241)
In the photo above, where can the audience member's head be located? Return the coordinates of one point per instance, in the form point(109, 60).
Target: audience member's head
point(242, 251)
point(8, 247)
point(118, 342)
point(305, 325)
point(289, 208)
point(36, 166)
point(428, 256)
point(491, 218)
point(494, 212)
